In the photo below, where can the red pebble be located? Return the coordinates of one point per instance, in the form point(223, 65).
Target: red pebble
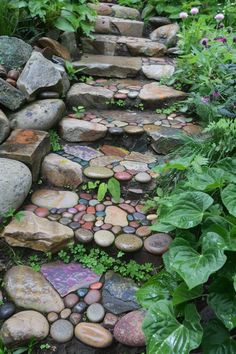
point(96, 286)
point(91, 210)
point(88, 225)
point(80, 207)
point(41, 212)
point(134, 224)
point(30, 207)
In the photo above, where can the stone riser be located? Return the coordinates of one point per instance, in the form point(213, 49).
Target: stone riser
point(119, 27)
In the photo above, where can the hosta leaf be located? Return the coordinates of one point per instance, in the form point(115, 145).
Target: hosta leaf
point(166, 335)
point(102, 189)
point(217, 339)
point(208, 180)
point(222, 300)
point(159, 287)
point(228, 196)
point(114, 188)
point(183, 294)
point(184, 210)
point(194, 267)
point(229, 166)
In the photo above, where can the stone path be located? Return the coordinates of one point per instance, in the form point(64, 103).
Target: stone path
point(115, 133)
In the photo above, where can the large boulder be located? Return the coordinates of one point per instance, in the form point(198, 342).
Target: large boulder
point(4, 126)
point(23, 326)
point(166, 34)
point(39, 74)
point(37, 233)
point(10, 97)
point(14, 52)
point(30, 290)
point(15, 184)
point(60, 171)
point(76, 130)
point(39, 115)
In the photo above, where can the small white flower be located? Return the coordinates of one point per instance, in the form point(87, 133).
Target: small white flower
point(219, 17)
point(194, 11)
point(183, 15)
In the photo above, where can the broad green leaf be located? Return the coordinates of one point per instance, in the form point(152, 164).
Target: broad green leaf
point(217, 339)
point(62, 24)
point(194, 267)
point(208, 180)
point(159, 287)
point(183, 294)
point(166, 335)
point(222, 300)
point(102, 189)
point(229, 166)
point(184, 210)
point(180, 164)
point(228, 196)
point(114, 188)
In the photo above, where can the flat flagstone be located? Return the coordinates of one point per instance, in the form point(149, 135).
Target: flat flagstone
point(154, 94)
point(118, 26)
point(67, 278)
point(28, 146)
point(98, 172)
point(105, 160)
point(116, 216)
point(114, 150)
point(83, 152)
point(48, 198)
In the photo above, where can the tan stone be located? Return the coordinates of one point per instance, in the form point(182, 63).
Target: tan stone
point(116, 216)
point(93, 334)
point(37, 233)
point(75, 130)
point(23, 326)
point(48, 198)
point(56, 47)
point(61, 172)
point(104, 160)
point(157, 72)
point(4, 126)
point(101, 9)
point(154, 94)
point(30, 290)
point(166, 34)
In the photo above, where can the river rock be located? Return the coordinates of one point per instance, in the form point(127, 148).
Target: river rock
point(119, 294)
point(15, 184)
point(39, 74)
point(128, 243)
point(158, 243)
point(104, 238)
point(166, 34)
point(60, 171)
point(93, 334)
point(14, 52)
point(10, 97)
point(76, 130)
point(98, 172)
point(95, 312)
point(37, 233)
point(157, 72)
point(70, 300)
point(62, 331)
point(128, 329)
point(92, 297)
point(125, 12)
point(116, 216)
point(24, 326)
point(39, 115)
point(6, 310)
point(47, 198)
point(30, 290)
point(4, 127)
point(56, 48)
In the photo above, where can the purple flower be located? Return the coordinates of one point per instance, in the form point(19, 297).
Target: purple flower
point(220, 39)
point(194, 11)
point(216, 94)
point(183, 15)
point(219, 17)
point(205, 99)
point(204, 41)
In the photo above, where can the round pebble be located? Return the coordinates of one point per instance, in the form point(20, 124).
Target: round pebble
point(106, 226)
point(93, 202)
point(92, 297)
point(115, 131)
point(129, 230)
point(52, 317)
point(67, 215)
point(128, 243)
point(116, 229)
point(75, 318)
point(91, 210)
point(83, 235)
point(110, 320)
point(158, 243)
point(133, 94)
point(42, 212)
point(65, 313)
point(123, 176)
point(143, 177)
point(98, 172)
point(80, 307)
point(139, 216)
point(77, 217)
point(96, 286)
point(104, 238)
point(88, 217)
point(133, 129)
point(143, 231)
point(7, 310)
point(80, 207)
point(100, 207)
point(62, 331)
point(74, 225)
point(72, 210)
point(93, 334)
point(99, 223)
point(151, 217)
point(82, 292)
point(95, 312)
point(70, 300)
point(64, 221)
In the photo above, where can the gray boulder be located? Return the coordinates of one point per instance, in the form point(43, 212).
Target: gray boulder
point(15, 184)
point(39, 74)
point(14, 52)
point(166, 34)
point(4, 126)
point(39, 115)
point(10, 97)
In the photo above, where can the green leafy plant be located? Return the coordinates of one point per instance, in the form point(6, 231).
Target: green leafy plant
point(71, 70)
point(79, 110)
point(136, 4)
point(54, 140)
point(9, 18)
point(112, 186)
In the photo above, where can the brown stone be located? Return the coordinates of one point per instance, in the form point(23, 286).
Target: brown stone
point(154, 94)
point(27, 146)
point(93, 335)
point(116, 216)
point(55, 46)
point(114, 150)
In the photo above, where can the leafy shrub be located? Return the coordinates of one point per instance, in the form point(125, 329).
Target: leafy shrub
point(137, 4)
point(9, 18)
point(200, 212)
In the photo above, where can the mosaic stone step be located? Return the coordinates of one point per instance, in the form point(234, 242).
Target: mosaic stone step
point(28, 146)
point(120, 67)
point(122, 45)
point(118, 26)
point(126, 93)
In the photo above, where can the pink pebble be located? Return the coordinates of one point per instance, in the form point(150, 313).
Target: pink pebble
point(85, 196)
point(96, 286)
point(123, 176)
point(80, 207)
point(30, 207)
point(41, 212)
point(72, 210)
point(106, 226)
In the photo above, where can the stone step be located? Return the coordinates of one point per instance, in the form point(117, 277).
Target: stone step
point(118, 26)
point(110, 9)
point(126, 93)
point(123, 67)
point(122, 45)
